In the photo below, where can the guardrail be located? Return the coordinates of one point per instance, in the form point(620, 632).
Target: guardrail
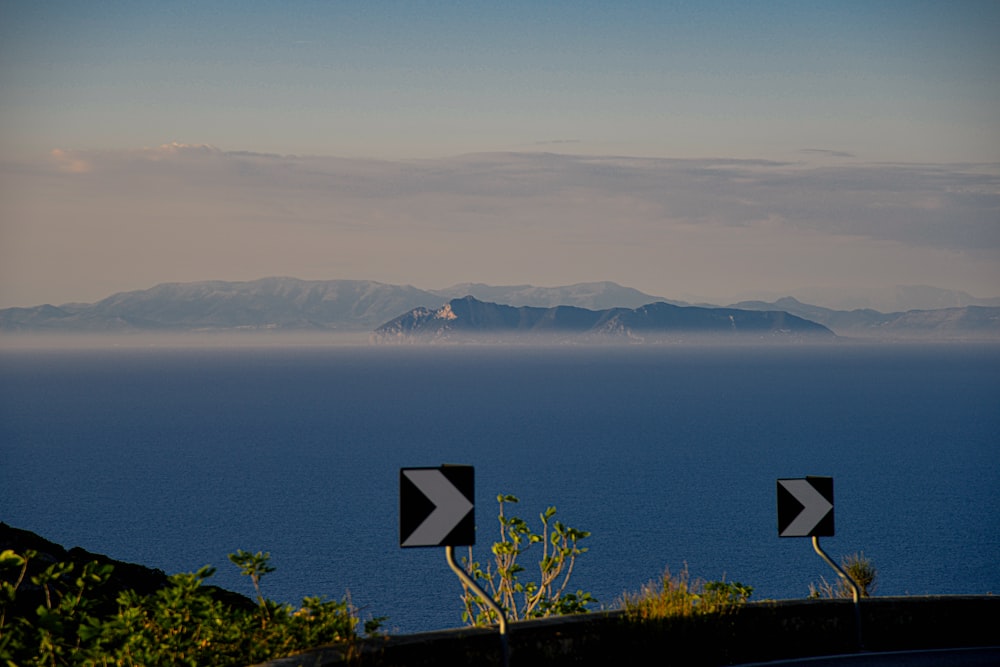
point(756, 632)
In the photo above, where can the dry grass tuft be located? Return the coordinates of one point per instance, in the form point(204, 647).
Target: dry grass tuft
point(683, 596)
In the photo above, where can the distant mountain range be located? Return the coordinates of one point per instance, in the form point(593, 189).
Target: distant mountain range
point(290, 304)
point(967, 322)
point(286, 304)
point(898, 299)
point(470, 319)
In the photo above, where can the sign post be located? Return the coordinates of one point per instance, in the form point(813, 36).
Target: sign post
point(437, 509)
point(805, 509)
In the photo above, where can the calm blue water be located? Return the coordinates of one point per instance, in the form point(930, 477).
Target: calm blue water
point(176, 457)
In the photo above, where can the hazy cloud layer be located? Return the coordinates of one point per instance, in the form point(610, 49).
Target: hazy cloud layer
point(129, 219)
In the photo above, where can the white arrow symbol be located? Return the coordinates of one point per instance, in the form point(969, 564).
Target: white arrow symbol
point(450, 507)
point(814, 507)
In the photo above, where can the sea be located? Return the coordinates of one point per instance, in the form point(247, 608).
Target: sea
point(174, 456)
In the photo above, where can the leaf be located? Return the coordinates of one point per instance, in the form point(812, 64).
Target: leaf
point(8, 558)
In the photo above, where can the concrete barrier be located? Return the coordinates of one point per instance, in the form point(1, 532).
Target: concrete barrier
point(756, 632)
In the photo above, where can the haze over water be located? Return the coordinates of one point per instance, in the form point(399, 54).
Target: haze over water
point(175, 457)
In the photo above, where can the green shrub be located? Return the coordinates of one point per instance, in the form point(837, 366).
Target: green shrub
point(182, 623)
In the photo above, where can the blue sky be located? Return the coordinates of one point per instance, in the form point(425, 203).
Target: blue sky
point(847, 144)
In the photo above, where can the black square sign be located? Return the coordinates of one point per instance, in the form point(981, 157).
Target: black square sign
point(805, 507)
point(437, 506)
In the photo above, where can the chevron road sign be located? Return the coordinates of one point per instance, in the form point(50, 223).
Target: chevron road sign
point(436, 506)
point(805, 507)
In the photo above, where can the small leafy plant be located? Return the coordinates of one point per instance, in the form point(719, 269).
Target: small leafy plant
point(254, 566)
point(501, 578)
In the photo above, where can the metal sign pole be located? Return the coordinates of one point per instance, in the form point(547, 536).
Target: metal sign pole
point(854, 586)
point(449, 552)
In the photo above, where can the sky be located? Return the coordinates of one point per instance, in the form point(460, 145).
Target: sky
point(687, 149)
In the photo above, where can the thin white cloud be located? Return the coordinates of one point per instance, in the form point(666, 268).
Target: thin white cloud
point(190, 212)
point(824, 152)
point(556, 142)
point(69, 163)
point(955, 206)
